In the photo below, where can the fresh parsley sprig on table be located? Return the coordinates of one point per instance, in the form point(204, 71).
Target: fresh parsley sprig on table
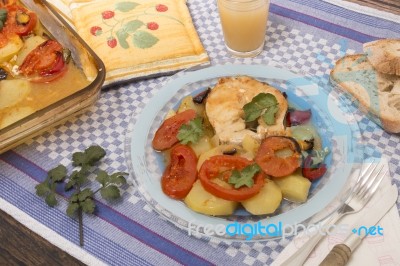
point(81, 200)
point(47, 189)
point(262, 105)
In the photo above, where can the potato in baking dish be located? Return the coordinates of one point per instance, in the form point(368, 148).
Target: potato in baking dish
point(35, 69)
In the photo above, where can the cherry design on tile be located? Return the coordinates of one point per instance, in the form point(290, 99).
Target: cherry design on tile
point(132, 30)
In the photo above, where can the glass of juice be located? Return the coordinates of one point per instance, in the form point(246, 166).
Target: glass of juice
point(244, 24)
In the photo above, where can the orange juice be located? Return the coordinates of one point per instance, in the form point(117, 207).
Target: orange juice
point(244, 24)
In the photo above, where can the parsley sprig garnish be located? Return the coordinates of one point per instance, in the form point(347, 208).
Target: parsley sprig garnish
point(47, 189)
point(262, 105)
point(245, 177)
point(192, 131)
point(3, 17)
point(82, 199)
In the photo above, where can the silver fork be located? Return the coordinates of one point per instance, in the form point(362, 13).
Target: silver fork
point(365, 187)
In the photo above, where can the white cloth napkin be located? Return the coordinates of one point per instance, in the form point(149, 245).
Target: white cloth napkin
point(374, 250)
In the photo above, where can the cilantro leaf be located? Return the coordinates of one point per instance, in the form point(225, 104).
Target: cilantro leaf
point(3, 17)
point(47, 188)
point(74, 197)
point(118, 178)
point(262, 105)
point(269, 115)
point(94, 154)
point(89, 157)
point(102, 177)
point(81, 200)
point(42, 189)
point(57, 174)
point(191, 132)
point(110, 192)
point(244, 177)
point(88, 205)
point(51, 199)
point(72, 208)
point(85, 194)
point(70, 184)
point(77, 178)
point(78, 158)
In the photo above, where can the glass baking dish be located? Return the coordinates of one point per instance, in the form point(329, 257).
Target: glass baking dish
point(67, 102)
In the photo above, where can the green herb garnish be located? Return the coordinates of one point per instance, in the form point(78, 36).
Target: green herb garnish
point(263, 105)
point(82, 200)
point(192, 131)
point(47, 189)
point(244, 177)
point(3, 17)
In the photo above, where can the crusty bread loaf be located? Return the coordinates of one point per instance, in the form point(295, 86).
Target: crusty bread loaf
point(384, 55)
point(377, 93)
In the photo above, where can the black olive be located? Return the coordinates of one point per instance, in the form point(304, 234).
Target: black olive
point(309, 144)
point(3, 74)
point(199, 98)
point(230, 152)
point(252, 125)
point(284, 94)
point(294, 141)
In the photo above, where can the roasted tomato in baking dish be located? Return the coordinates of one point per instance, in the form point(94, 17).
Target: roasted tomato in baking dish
point(45, 63)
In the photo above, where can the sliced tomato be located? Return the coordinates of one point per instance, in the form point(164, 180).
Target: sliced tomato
point(3, 39)
point(166, 135)
point(223, 165)
point(274, 165)
point(313, 172)
point(181, 173)
point(44, 63)
point(5, 3)
point(13, 24)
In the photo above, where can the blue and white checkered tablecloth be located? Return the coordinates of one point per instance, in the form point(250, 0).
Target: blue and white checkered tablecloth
point(308, 35)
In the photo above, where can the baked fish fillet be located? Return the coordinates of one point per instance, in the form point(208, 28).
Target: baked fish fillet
point(224, 109)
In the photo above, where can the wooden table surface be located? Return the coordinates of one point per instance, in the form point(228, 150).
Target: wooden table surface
point(20, 246)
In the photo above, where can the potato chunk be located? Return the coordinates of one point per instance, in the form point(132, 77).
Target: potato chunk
point(202, 146)
point(199, 200)
point(30, 44)
point(13, 91)
point(187, 103)
point(266, 201)
point(219, 150)
point(15, 115)
point(12, 48)
point(250, 144)
point(294, 187)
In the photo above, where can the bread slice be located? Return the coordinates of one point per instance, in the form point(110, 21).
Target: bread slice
point(384, 55)
point(378, 94)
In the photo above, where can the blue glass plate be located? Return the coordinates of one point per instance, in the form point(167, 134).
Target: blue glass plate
point(330, 115)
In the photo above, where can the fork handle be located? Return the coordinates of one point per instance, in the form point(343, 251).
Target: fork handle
point(338, 256)
point(300, 256)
